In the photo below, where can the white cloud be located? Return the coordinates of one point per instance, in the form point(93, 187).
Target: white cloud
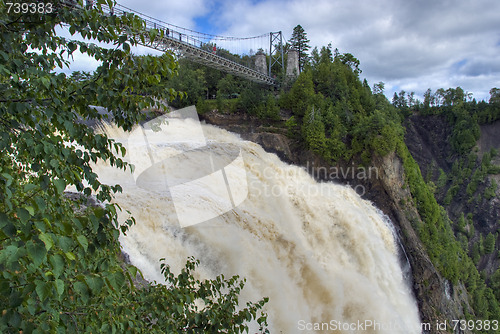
point(411, 44)
point(178, 12)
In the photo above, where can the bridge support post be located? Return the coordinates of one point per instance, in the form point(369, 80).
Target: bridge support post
point(292, 66)
point(261, 63)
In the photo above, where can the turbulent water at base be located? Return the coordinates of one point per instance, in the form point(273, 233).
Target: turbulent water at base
point(325, 258)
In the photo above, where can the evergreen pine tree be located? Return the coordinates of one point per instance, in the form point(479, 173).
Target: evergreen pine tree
point(489, 243)
point(300, 42)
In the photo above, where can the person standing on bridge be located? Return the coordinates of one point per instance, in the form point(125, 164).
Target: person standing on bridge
point(214, 49)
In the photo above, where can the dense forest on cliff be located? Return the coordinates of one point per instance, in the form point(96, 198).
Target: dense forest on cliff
point(463, 177)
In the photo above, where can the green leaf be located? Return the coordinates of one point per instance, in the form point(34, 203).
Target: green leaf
point(58, 264)
point(82, 240)
point(152, 34)
point(47, 240)
point(40, 203)
point(23, 214)
point(59, 285)
point(45, 82)
point(82, 290)
point(4, 220)
point(8, 254)
point(31, 210)
point(117, 280)
point(15, 299)
point(70, 256)
point(95, 284)
point(8, 179)
point(72, 47)
point(43, 289)
point(65, 243)
point(60, 185)
point(37, 252)
point(4, 287)
point(29, 187)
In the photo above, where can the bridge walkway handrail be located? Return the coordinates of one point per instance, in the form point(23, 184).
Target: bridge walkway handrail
point(189, 46)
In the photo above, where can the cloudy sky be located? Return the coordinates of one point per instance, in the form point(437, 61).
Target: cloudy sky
point(410, 45)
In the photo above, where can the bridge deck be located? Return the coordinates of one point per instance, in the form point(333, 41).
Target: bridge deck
point(204, 57)
point(189, 47)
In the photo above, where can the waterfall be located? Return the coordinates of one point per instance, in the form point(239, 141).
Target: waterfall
point(325, 257)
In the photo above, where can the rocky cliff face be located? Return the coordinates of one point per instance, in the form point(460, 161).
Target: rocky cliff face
point(427, 138)
point(437, 299)
point(384, 184)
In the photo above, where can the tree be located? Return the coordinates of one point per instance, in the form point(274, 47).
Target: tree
point(428, 99)
point(227, 86)
point(400, 101)
point(495, 283)
point(351, 61)
point(378, 88)
point(191, 81)
point(60, 267)
point(494, 96)
point(489, 243)
point(270, 110)
point(326, 54)
point(461, 222)
point(452, 96)
point(315, 57)
point(302, 94)
point(252, 97)
point(314, 130)
point(300, 42)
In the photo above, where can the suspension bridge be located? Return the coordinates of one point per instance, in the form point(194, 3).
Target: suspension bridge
point(200, 47)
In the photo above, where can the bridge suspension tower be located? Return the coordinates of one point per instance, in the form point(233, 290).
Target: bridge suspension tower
point(276, 51)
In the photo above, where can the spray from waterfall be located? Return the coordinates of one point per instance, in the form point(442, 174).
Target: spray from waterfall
point(325, 258)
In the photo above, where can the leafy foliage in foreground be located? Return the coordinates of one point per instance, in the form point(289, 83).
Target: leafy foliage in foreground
point(60, 271)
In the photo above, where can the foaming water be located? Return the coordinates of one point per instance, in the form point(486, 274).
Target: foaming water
point(325, 258)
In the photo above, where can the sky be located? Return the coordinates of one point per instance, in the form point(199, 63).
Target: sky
point(409, 45)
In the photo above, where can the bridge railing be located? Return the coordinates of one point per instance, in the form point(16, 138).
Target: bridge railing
point(151, 23)
point(194, 47)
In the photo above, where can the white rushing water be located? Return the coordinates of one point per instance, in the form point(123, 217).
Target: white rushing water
point(324, 257)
